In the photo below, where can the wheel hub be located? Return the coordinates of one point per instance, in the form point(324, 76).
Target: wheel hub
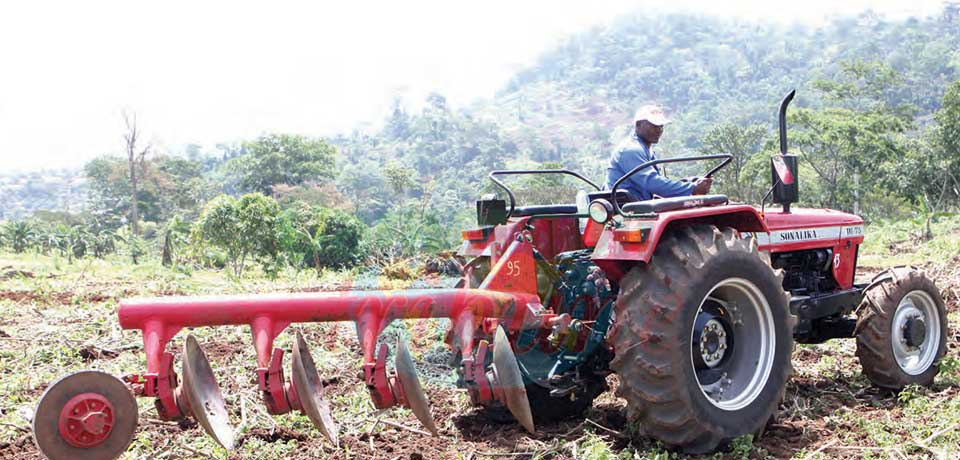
point(86, 420)
point(914, 332)
point(713, 342)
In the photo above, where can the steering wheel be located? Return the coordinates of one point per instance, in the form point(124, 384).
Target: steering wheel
point(726, 157)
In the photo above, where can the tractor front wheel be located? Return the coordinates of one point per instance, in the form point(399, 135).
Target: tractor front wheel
point(702, 338)
point(901, 329)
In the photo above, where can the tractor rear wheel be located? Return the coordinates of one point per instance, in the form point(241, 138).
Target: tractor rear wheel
point(702, 339)
point(901, 329)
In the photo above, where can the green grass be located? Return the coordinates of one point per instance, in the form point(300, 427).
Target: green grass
point(899, 242)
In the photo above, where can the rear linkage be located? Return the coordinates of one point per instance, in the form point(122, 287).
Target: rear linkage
point(101, 423)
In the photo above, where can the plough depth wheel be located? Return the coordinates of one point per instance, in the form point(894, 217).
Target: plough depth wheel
point(90, 415)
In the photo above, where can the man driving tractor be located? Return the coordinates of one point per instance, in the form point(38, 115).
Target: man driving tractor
point(636, 149)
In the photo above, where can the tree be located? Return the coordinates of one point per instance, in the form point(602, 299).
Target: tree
point(948, 123)
point(398, 123)
point(135, 161)
point(319, 237)
point(409, 230)
point(19, 235)
point(364, 185)
point(400, 178)
point(166, 186)
point(341, 237)
point(242, 228)
point(133, 244)
point(175, 235)
point(743, 142)
point(102, 239)
point(284, 159)
point(932, 169)
point(847, 143)
point(179, 186)
point(109, 189)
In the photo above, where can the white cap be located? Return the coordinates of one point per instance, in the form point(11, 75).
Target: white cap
point(652, 113)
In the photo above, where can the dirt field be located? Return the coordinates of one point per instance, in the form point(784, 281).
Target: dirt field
point(62, 318)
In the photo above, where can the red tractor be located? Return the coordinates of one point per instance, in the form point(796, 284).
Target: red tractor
point(694, 302)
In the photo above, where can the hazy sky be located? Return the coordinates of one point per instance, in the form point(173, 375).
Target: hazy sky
point(207, 72)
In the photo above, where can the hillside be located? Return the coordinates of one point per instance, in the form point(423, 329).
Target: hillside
point(578, 98)
point(48, 190)
point(574, 103)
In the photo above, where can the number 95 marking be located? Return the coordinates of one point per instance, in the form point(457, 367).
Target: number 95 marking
point(513, 268)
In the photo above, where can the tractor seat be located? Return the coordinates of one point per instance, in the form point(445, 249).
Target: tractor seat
point(674, 203)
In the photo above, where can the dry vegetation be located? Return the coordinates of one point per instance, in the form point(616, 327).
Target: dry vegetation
point(57, 318)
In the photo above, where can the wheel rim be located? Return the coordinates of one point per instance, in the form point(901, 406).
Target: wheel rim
point(915, 332)
point(733, 344)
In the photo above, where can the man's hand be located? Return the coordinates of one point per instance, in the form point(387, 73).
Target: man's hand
point(702, 186)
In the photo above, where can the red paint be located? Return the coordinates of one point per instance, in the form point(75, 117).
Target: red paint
point(844, 264)
point(271, 384)
point(86, 420)
point(378, 383)
point(799, 218)
point(591, 233)
point(515, 271)
point(478, 381)
point(551, 236)
point(165, 386)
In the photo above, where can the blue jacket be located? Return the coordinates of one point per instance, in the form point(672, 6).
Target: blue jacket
point(629, 154)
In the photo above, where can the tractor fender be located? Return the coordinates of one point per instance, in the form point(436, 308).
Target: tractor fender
point(621, 246)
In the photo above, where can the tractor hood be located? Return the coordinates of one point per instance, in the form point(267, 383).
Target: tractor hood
point(809, 228)
point(809, 218)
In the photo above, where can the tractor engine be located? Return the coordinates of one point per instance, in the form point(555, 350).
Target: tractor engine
point(807, 272)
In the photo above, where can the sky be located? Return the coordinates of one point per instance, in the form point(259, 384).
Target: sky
point(209, 71)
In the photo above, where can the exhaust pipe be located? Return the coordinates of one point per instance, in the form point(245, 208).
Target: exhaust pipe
point(783, 120)
point(784, 170)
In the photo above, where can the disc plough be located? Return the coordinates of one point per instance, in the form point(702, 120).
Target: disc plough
point(103, 431)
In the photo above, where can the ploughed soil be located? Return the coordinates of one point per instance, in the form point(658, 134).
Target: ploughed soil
point(830, 410)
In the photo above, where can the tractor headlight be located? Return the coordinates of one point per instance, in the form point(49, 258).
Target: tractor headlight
point(600, 210)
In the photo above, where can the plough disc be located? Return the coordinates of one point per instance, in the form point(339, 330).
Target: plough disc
point(203, 394)
point(309, 388)
point(413, 392)
point(510, 380)
point(89, 414)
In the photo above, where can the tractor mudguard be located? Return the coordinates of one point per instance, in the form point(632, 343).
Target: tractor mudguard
point(622, 245)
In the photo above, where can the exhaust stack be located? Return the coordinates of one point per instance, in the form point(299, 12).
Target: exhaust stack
point(784, 171)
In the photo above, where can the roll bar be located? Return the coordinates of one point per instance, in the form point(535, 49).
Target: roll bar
point(511, 172)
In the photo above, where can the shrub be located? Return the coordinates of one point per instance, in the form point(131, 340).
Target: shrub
point(244, 228)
